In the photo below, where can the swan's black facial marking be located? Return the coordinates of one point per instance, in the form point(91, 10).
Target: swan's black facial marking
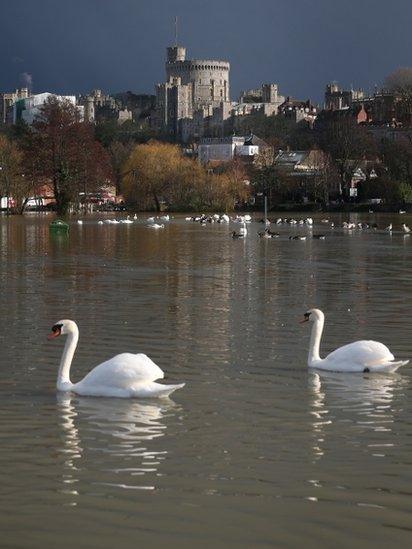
point(307, 315)
point(55, 331)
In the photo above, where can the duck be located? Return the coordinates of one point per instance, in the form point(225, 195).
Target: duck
point(125, 375)
point(359, 356)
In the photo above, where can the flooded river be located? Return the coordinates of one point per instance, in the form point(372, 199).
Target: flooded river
point(255, 451)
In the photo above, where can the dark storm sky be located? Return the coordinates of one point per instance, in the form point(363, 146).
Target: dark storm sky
point(76, 45)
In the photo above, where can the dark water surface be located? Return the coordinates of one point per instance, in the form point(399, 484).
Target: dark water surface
point(255, 451)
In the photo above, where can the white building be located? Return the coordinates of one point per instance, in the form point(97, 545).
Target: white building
point(28, 108)
point(224, 149)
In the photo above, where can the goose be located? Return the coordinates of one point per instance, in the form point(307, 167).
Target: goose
point(126, 375)
point(267, 233)
point(237, 235)
point(405, 228)
point(360, 356)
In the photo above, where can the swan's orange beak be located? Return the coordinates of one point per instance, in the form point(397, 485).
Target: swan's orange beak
point(56, 331)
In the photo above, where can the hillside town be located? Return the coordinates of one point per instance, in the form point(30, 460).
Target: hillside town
point(355, 148)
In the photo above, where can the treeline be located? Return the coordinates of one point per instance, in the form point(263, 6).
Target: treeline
point(74, 158)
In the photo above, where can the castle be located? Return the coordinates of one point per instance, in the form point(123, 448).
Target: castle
point(194, 90)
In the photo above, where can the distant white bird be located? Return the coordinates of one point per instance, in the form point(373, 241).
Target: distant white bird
point(164, 218)
point(150, 219)
point(402, 211)
point(225, 218)
point(79, 222)
point(135, 217)
point(155, 226)
point(100, 222)
point(243, 229)
point(389, 228)
point(405, 228)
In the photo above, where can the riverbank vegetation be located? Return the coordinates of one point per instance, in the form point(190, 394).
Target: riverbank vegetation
point(158, 173)
point(74, 159)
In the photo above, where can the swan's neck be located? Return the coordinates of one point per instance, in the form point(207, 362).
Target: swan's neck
point(63, 376)
point(315, 338)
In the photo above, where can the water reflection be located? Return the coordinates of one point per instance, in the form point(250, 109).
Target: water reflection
point(354, 405)
point(108, 442)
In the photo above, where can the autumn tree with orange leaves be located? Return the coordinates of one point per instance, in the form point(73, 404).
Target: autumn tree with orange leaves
point(158, 173)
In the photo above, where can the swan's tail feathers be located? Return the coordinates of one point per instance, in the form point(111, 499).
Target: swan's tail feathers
point(155, 390)
point(389, 366)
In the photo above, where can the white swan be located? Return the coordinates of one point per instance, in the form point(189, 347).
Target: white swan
point(360, 356)
point(243, 229)
point(125, 375)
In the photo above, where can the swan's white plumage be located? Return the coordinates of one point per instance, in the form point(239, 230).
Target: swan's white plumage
point(359, 356)
point(125, 375)
point(362, 352)
point(123, 370)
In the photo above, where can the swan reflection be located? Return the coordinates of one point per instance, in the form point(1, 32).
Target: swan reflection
point(358, 403)
point(109, 442)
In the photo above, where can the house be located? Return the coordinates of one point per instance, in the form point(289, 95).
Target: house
point(224, 149)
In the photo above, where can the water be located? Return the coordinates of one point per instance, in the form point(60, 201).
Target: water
point(255, 451)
